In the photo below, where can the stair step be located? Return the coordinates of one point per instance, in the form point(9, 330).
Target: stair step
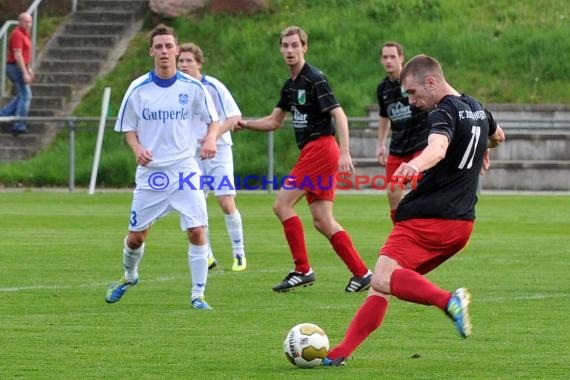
point(125, 5)
point(83, 53)
point(103, 16)
point(365, 161)
point(64, 78)
point(78, 40)
point(527, 175)
point(48, 102)
point(15, 153)
point(70, 66)
point(530, 164)
point(94, 28)
point(38, 112)
point(35, 129)
point(62, 90)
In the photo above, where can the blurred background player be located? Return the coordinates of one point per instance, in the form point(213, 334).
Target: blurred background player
point(19, 71)
point(312, 104)
point(157, 116)
point(407, 123)
point(435, 220)
point(221, 167)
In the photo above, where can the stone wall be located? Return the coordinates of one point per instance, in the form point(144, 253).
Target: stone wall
point(535, 156)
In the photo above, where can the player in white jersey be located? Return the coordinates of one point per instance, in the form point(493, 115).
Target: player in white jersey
point(220, 169)
point(159, 115)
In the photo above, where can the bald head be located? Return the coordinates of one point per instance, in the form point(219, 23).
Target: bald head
point(25, 21)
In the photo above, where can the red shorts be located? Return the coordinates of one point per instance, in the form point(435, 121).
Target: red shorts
point(316, 169)
point(393, 162)
point(423, 244)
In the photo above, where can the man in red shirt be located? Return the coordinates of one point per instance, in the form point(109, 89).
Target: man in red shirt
point(20, 72)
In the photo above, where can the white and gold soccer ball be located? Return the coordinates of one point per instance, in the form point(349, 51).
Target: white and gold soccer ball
point(306, 345)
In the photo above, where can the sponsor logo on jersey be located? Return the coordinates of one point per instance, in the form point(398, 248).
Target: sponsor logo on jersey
point(164, 115)
point(299, 118)
point(398, 112)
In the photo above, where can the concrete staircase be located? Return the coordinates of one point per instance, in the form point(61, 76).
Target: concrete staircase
point(535, 157)
point(87, 44)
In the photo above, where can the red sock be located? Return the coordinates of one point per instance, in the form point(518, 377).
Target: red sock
point(411, 286)
point(393, 216)
point(367, 319)
point(343, 247)
point(295, 236)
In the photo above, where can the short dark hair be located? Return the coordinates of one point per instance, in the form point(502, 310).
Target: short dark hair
point(161, 30)
point(399, 48)
point(422, 66)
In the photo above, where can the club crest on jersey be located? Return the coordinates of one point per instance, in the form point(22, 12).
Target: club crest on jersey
point(183, 98)
point(301, 96)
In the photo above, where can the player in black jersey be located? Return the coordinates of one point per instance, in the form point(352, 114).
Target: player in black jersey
point(407, 123)
point(309, 98)
point(435, 220)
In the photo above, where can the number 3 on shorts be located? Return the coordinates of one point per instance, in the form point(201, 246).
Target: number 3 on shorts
point(133, 218)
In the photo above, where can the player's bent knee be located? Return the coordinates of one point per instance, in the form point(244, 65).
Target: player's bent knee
point(380, 285)
point(135, 240)
point(197, 235)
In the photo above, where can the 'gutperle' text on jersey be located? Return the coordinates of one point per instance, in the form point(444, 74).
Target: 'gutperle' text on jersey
point(449, 189)
point(166, 124)
point(310, 99)
point(225, 105)
point(408, 124)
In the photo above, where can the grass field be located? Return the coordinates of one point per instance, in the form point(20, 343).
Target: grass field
point(59, 251)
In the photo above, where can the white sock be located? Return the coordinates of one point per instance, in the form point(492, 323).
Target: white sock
point(198, 264)
point(131, 261)
point(210, 253)
point(235, 231)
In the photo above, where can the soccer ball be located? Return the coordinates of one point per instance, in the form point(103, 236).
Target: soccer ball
point(306, 345)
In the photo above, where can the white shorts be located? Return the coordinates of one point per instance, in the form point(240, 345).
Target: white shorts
point(218, 172)
point(160, 190)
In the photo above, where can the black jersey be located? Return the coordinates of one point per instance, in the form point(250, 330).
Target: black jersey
point(310, 100)
point(408, 123)
point(449, 189)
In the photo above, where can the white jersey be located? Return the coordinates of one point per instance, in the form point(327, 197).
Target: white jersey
point(225, 105)
point(167, 116)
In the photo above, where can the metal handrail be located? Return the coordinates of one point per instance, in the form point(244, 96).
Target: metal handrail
point(3, 33)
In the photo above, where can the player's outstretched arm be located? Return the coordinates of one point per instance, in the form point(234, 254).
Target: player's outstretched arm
point(265, 124)
point(228, 125)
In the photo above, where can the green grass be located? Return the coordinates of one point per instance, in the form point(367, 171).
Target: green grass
point(490, 49)
point(59, 251)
